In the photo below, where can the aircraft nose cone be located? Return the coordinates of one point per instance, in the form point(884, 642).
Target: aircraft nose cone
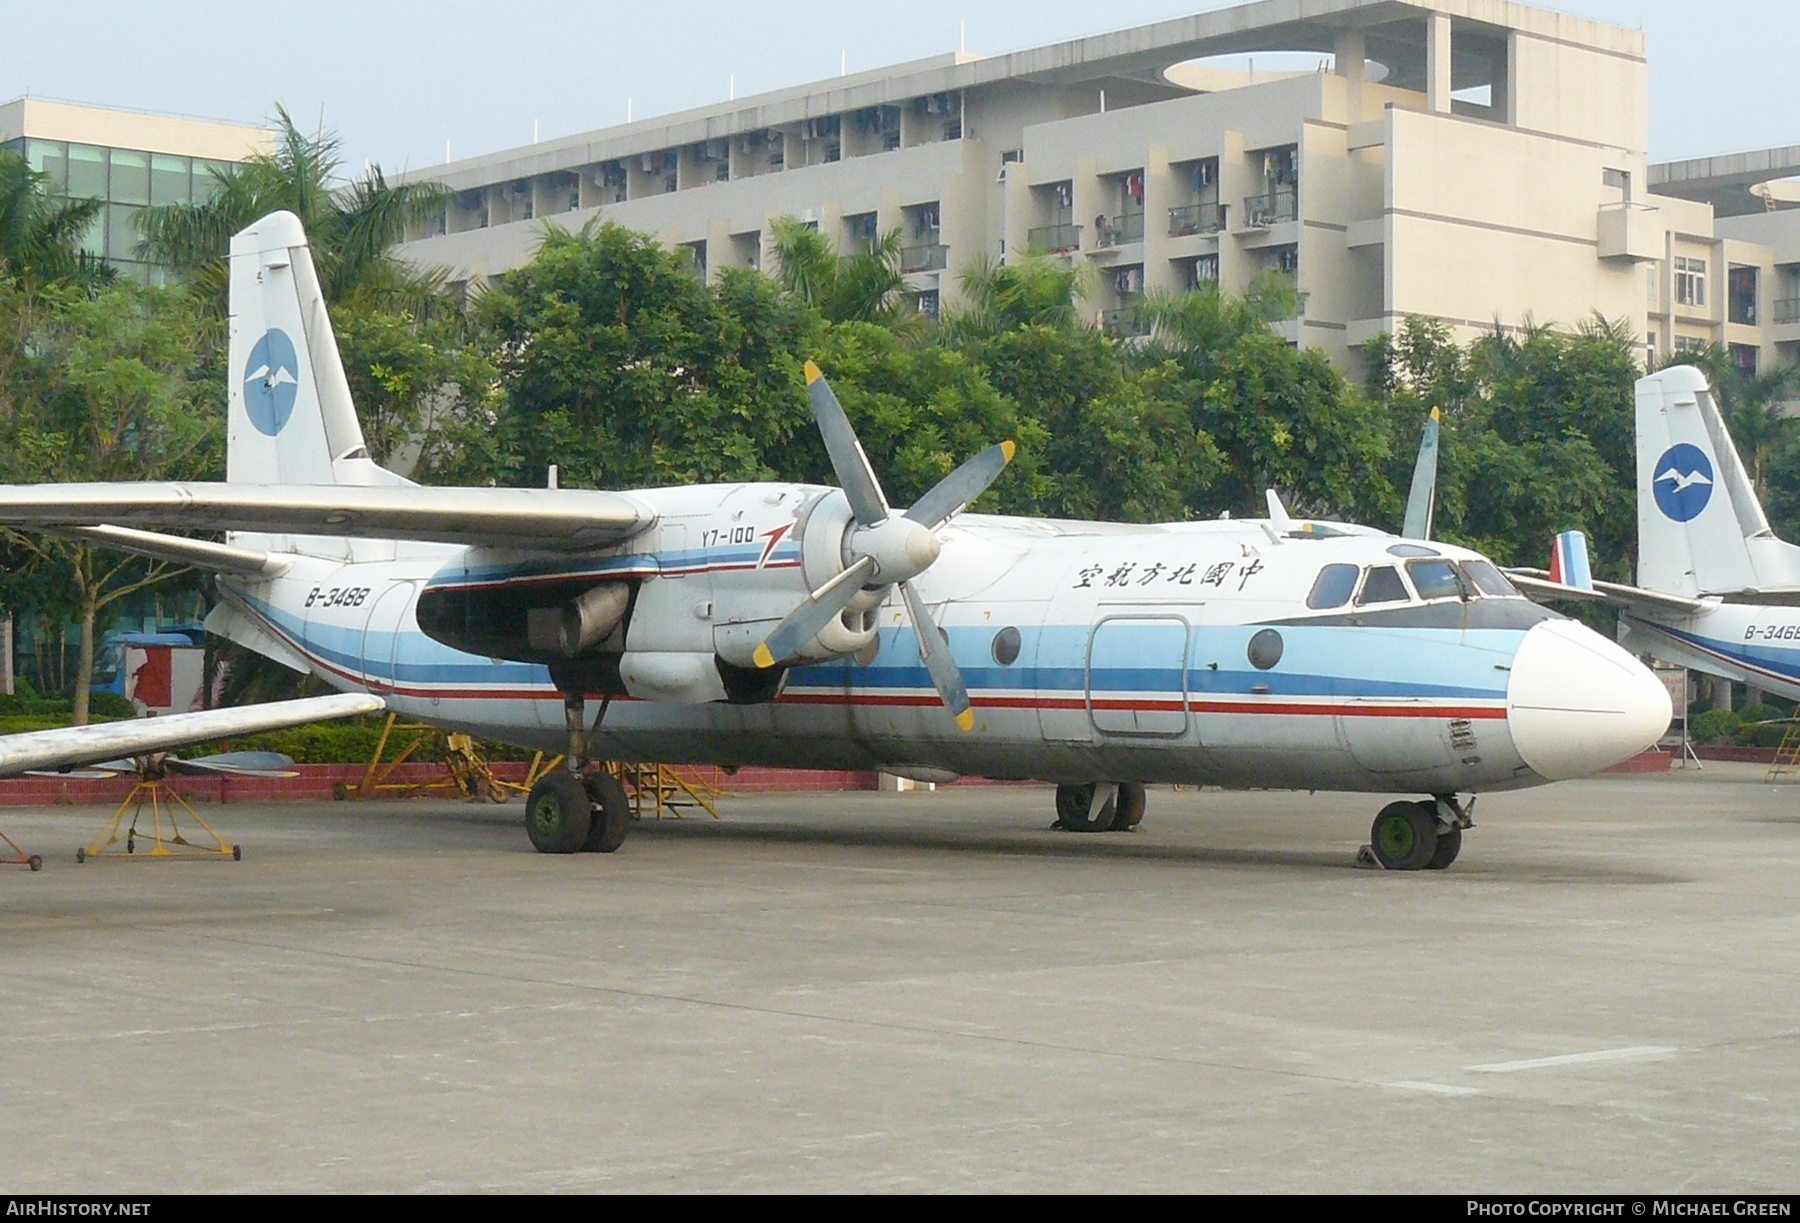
point(1577, 703)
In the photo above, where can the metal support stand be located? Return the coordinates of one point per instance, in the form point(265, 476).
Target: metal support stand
point(19, 856)
point(158, 793)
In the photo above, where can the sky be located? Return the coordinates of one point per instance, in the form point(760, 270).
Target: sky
point(397, 79)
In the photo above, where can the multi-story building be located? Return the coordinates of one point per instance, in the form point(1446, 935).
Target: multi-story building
point(1468, 160)
point(1729, 273)
point(128, 158)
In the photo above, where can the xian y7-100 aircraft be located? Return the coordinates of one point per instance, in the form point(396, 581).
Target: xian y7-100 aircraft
point(813, 627)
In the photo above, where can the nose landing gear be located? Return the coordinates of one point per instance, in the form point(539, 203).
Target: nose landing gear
point(1418, 836)
point(1097, 807)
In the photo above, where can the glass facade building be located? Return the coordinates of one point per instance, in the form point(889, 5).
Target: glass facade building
point(127, 180)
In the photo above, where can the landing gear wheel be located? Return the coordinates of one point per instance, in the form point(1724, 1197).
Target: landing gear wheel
point(35, 862)
point(611, 814)
point(1074, 804)
point(1404, 836)
point(80, 856)
point(1448, 845)
point(557, 814)
point(1130, 803)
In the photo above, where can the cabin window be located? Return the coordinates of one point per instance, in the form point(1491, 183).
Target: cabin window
point(1436, 579)
point(1006, 646)
point(1383, 585)
point(1490, 581)
point(1333, 587)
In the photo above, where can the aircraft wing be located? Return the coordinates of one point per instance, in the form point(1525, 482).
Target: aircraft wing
point(1538, 586)
point(49, 749)
point(563, 520)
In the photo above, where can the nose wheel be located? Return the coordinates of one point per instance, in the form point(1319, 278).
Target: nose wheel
point(1100, 807)
point(1422, 836)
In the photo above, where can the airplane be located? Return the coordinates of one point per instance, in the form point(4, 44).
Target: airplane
point(1717, 591)
point(803, 626)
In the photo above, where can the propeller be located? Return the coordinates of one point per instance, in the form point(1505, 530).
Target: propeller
point(885, 549)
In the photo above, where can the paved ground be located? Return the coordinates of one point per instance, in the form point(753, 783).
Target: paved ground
point(918, 992)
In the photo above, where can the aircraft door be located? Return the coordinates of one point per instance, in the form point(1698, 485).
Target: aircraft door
point(1137, 676)
point(381, 635)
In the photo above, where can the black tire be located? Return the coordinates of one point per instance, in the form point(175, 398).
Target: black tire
point(237, 853)
point(1404, 836)
point(81, 855)
point(35, 862)
point(557, 814)
point(1449, 844)
point(611, 814)
point(1073, 804)
point(1130, 803)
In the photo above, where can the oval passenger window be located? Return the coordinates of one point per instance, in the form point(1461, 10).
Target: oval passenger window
point(1006, 646)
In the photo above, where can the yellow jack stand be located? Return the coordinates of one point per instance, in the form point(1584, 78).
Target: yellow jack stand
point(20, 857)
point(160, 795)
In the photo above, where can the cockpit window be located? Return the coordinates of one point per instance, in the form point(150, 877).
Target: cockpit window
point(1490, 581)
point(1435, 579)
point(1383, 585)
point(1333, 587)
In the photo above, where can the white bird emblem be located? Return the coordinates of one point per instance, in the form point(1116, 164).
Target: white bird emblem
point(1683, 483)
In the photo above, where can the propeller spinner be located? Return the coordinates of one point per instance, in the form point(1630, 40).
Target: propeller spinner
point(885, 549)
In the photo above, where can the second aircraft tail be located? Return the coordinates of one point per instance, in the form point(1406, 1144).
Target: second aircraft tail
point(1701, 529)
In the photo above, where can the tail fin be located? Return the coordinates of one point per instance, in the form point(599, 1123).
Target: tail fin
point(1569, 561)
point(291, 420)
point(1701, 529)
point(1419, 502)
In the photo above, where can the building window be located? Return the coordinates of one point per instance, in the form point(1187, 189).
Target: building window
point(928, 303)
point(1689, 343)
point(1740, 295)
point(1744, 357)
point(1690, 281)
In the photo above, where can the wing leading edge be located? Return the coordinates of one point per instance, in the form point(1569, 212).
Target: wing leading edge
point(571, 520)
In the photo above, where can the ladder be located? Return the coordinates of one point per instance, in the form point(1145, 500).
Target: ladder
point(1787, 755)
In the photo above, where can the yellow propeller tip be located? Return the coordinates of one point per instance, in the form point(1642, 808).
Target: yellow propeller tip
point(813, 373)
point(1434, 413)
point(1009, 449)
point(966, 720)
point(763, 658)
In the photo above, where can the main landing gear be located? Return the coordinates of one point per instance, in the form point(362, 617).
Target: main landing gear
point(1100, 807)
point(570, 812)
point(1419, 836)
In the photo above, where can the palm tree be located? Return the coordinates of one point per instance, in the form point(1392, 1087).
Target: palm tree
point(864, 287)
point(352, 228)
point(40, 239)
point(1033, 291)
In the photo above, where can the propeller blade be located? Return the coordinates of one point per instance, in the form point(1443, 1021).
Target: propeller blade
point(235, 764)
point(934, 650)
point(848, 461)
point(961, 486)
point(803, 623)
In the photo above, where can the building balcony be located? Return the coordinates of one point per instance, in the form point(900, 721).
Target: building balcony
point(1125, 323)
point(1262, 211)
point(1057, 239)
point(930, 258)
point(1122, 230)
point(1630, 231)
point(1196, 219)
point(1786, 310)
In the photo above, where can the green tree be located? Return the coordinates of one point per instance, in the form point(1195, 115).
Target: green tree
point(862, 287)
point(622, 367)
point(109, 395)
point(40, 239)
point(1280, 416)
point(1035, 291)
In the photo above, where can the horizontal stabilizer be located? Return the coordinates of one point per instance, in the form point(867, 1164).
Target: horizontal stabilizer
point(1540, 587)
point(49, 749)
point(560, 520)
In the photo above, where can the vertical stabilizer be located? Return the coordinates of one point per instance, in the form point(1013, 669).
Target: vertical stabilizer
point(1419, 502)
point(290, 418)
point(1569, 561)
point(1701, 529)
